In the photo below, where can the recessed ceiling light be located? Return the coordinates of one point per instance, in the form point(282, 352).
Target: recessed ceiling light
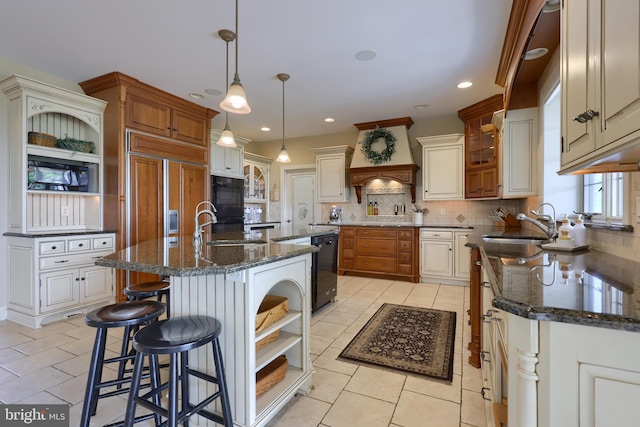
point(265, 128)
point(196, 95)
point(420, 106)
point(366, 55)
point(213, 92)
point(464, 85)
point(329, 120)
point(535, 53)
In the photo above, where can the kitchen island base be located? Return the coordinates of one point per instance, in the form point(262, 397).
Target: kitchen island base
point(233, 299)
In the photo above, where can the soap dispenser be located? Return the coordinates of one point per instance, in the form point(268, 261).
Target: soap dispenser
point(579, 232)
point(564, 234)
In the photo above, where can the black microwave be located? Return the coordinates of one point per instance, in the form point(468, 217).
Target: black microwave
point(57, 176)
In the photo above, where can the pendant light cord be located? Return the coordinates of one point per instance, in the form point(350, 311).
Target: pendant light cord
point(226, 113)
point(283, 114)
point(237, 76)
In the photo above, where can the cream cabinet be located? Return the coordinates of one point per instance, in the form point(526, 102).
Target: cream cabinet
point(51, 278)
point(331, 173)
point(227, 161)
point(518, 170)
point(40, 201)
point(256, 178)
point(234, 299)
point(600, 64)
point(443, 255)
point(442, 167)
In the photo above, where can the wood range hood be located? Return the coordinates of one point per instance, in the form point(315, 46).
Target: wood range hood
point(402, 173)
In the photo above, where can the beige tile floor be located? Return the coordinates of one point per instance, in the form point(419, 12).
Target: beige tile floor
point(49, 365)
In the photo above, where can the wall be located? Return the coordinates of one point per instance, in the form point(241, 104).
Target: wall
point(9, 68)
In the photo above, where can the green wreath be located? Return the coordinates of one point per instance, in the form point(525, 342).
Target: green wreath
point(372, 136)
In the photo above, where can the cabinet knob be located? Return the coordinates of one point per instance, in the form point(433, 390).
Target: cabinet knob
point(104, 242)
point(426, 191)
point(54, 247)
point(80, 245)
point(61, 261)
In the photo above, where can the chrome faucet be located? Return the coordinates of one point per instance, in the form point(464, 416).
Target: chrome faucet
point(199, 228)
point(550, 230)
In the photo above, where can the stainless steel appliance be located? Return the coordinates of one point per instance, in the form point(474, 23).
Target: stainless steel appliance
point(227, 195)
point(335, 215)
point(44, 175)
point(324, 270)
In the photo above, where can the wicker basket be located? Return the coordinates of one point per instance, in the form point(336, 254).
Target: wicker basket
point(43, 139)
point(267, 340)
point(271, 375)
point(272, 308)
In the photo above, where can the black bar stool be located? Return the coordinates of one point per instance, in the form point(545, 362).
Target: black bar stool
point(126, 314)
point(159, 289)
point(175, 337)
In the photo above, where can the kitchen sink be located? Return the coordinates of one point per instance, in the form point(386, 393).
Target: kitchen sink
point(516, 240)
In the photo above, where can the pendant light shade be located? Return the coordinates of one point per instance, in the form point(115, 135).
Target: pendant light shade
point(226, 137)
point(236, 99)
point(283, 157)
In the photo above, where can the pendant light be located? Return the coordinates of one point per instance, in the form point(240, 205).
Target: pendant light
point(283, 157)
point(226, 137)
point(236, 99)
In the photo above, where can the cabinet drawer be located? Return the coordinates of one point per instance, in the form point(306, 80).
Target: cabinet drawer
point(346, 263)
point(405, 234)
point(404, 258)
point(77, 245)
point(347, 243)
point(405, 245)
point(376, 232)
point(102, 243)
point(404, 269)
point(50, 248)
point(346, 232)
point(442, 235)
point(62, 261)
point(347, 253)
point(374, 263)
point(375, 247)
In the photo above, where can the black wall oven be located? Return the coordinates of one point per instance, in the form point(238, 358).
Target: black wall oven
point(227, 195)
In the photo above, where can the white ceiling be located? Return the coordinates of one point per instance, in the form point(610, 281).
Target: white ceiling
point(424, 48)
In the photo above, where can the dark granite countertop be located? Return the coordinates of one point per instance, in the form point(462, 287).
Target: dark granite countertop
point(403, 224)
point(57, 233)
point(177, 257)
point(586, 287)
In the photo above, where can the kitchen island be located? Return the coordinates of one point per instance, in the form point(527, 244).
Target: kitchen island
point(559, 338)
point(228, 279)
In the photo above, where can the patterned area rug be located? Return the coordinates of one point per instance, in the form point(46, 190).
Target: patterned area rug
point(413, 339)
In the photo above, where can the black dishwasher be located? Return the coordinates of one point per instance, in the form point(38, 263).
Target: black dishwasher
point(324, 270)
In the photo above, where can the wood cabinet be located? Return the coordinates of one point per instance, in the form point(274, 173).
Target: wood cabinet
point(482, 154)
point(33, 206)
point(156, 159)
point(600, 90)
point(227, 161)
point(442, 167)
point(379, 251)
point(501, 153)
point(442, 255)
point(332, 164)
point(52, 278)
point(153, 114)
point(256, 178)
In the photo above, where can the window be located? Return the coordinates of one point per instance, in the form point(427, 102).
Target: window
point(604, 197)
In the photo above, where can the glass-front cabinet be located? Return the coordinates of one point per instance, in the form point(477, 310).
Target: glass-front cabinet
point(482, 147)
point(256, 178)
